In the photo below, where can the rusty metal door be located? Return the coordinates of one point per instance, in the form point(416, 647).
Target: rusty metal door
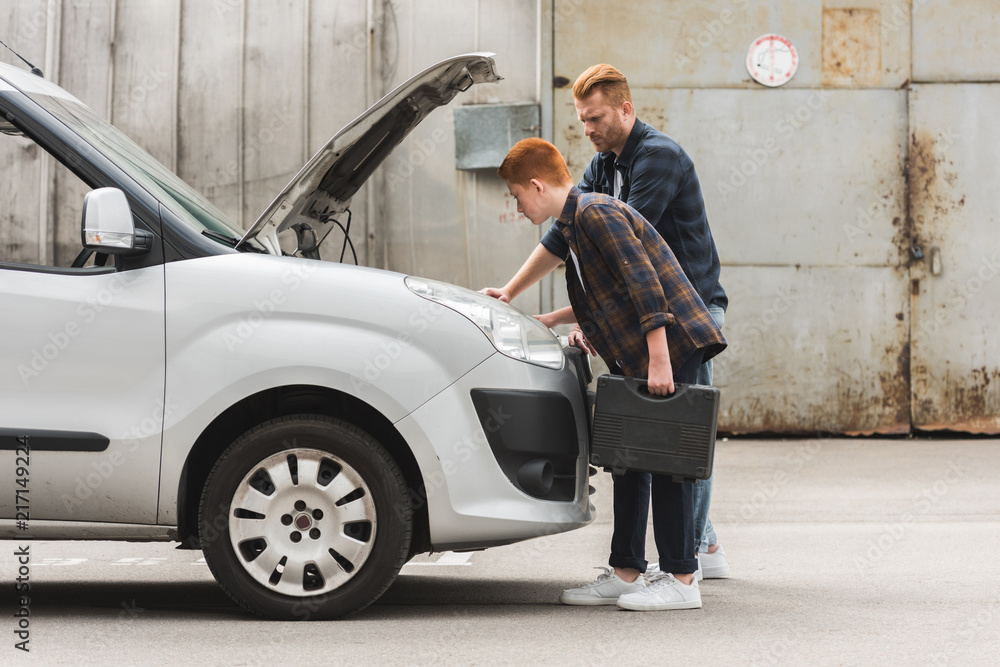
point(954, 203)
point(804, 187)
point(954, 168)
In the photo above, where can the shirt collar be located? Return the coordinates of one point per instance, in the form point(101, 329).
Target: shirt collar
point(630, 144)
point(568, 214)
point(609, 162)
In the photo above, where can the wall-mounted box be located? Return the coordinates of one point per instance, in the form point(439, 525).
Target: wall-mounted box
point(485, 132)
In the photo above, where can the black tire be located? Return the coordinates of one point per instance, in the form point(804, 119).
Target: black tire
point(343, 526)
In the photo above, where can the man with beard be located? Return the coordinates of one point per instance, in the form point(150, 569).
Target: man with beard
point(649, 171)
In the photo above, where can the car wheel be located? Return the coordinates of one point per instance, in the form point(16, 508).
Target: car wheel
point(305, 517)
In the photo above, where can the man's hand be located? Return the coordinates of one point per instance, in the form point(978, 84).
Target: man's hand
point(577, 339)
point(496, 293)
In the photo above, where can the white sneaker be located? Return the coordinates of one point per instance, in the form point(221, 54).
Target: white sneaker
point(606, 589)
point(663, 592)
point(654, 568)
point(714, 565)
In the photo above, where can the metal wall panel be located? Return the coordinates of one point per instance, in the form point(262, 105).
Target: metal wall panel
point(144, 79)
point(209, 137)
point(338, 88)
point(237, 94)
point(274, 61)
point(812, 349)
point(789, 176)
point(956, 41)
point(86, 29)
point(426, 230)
point(955, 205)
point(22, 215)
point(806, 196)
point(442, 223)
point(804, 187)
point(679, 44)
point(502, 238)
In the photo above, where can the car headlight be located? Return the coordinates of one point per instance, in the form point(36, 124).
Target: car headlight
point(512, 332)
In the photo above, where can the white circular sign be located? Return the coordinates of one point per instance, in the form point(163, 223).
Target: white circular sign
point(772, 60)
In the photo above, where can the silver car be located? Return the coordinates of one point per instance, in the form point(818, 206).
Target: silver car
point(309, 425)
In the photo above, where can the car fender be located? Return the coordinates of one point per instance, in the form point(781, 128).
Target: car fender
point(241, 324)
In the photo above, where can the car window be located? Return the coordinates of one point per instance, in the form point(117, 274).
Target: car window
point(183, 200)
point(41, 205)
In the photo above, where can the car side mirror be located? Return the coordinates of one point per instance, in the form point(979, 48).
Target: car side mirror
point(108, 226)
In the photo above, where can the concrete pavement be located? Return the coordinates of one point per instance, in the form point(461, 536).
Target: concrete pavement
point(843, 552)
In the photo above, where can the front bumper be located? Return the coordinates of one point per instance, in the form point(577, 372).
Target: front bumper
point(478, 444)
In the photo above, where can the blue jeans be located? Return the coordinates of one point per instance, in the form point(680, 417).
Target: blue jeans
point(704, 532)
point(673, 513)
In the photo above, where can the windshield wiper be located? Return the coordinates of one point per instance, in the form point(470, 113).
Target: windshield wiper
point(231, 241)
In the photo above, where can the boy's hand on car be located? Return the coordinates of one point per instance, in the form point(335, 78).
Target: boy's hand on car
point(577, 339)
point(548, 319)
point(496, 293)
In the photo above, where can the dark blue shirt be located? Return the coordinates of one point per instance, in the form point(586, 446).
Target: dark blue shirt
point(659, 181)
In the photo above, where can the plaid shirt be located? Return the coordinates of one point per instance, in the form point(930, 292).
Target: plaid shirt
point(631, 284)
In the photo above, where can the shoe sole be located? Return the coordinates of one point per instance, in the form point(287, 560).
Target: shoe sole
point(633, 606)
point(715, 572)
point(588, 602)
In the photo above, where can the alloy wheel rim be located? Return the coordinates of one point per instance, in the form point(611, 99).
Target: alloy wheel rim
point(302, 522)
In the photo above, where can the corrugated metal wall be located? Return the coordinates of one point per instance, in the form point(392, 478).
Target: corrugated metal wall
point(821, 194)
point(458, 226)
point(235, 95)
point(818, 192)
point(954, 203)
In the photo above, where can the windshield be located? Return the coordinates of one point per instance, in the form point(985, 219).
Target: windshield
point(183, 200)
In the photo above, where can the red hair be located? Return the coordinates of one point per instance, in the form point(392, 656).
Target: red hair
point(534, 158)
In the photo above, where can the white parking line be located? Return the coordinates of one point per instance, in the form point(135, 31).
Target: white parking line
point(452, 558)
point(60, 562)
point(139, 561)
point(447, 558)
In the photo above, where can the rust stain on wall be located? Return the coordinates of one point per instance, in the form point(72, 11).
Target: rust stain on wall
point(959, 399)
point(922, 167)
point(872, 397)
point(932, 178)
point(968, 404)
point(852, 47)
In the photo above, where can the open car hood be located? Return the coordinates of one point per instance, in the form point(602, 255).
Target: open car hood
point(324, 186)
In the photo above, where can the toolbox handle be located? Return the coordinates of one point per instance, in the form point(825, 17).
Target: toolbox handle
point(640, 388)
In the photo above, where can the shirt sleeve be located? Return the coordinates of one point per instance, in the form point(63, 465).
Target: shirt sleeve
point(555, 242)
point(656, 179)
point(612, 233)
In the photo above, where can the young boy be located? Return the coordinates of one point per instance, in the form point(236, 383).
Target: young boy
point(636, 308)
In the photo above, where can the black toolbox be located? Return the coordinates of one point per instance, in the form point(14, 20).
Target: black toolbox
point(667, 435)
